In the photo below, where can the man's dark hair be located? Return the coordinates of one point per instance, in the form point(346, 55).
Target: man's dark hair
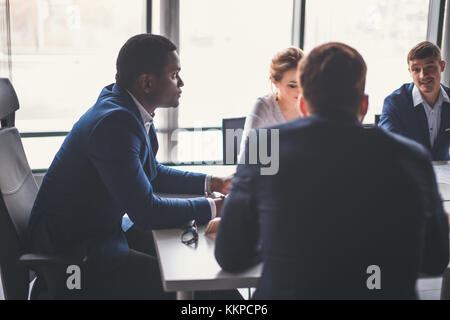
point(333, 76)
point(143, 53)
point(423, 50)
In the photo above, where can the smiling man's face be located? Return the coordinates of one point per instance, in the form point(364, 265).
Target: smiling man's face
point(426, 74)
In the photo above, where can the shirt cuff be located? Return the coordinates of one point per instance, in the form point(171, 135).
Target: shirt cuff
point(212, 204)
point(208, 185)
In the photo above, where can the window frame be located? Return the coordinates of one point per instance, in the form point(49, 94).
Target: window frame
point(438, 15)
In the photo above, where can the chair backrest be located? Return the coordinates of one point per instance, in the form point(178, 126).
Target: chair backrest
point(18, 191)
point(17, 184)
point(231, 137)
point(9, 103)
point(377, 119)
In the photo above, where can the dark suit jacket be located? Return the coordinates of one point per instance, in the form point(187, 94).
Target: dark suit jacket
point(400, 116)
point(105, 168)
point(345, 198)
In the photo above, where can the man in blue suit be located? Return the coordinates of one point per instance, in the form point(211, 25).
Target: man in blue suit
point(421, 110)
point(352, 213)
point(106, 168)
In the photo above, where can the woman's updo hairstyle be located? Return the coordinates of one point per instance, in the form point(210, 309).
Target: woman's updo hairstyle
point(284, 61)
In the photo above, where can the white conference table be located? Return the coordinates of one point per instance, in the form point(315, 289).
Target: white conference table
point(447, 206)
point(186, 269)
point(442, 170)
point(444, 190)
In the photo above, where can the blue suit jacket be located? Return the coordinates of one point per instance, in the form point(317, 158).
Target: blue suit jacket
point(105, 168)
point(400, 116)
point(344, 198)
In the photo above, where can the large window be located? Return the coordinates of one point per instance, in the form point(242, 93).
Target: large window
point(225, 51)
point(64, 51)
point(383, 31)
point(63, 54)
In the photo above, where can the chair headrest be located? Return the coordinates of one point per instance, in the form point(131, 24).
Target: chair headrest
point(8, 99)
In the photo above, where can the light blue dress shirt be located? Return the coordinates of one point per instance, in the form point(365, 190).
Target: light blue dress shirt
point(433, 113)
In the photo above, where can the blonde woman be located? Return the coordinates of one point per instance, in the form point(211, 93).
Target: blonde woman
point(280, 105)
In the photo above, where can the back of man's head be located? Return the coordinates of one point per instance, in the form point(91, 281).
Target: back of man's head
point(143, 53)
point(333, 77)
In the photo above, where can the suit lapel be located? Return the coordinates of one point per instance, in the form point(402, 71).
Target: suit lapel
point(153, 139)
point(445, 118)
point(147, 159)
point(445, 123)
point(152, 144)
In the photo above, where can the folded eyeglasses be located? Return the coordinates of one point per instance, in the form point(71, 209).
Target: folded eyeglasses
point(190, 234)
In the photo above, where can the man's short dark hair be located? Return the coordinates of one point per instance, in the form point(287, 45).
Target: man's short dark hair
point(333, 76)
point(423, 50)
point(143, 53)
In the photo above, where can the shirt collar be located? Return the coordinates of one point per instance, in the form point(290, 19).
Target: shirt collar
point(146, 117)
point(417, 97)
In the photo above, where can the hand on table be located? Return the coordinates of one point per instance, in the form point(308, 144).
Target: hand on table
point(221, 184)
point(212, 226)
point(219, 203)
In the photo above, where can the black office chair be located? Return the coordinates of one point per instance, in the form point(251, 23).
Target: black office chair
point(18, 191)
point(445, 286)
point(377, 119)
point(231, 137)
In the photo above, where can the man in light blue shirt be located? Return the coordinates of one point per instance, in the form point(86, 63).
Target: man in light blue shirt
point(421, 110)
point(433, 113)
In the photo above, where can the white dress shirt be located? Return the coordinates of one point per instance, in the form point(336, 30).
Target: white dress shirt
point(433, 113)
point(148, 120)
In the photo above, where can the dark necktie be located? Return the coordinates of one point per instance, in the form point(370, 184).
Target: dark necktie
point(153, 139)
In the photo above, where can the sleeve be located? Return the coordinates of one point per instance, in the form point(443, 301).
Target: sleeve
point(252, 121)
point(114, 148)
point(238, 233)
point(212, 205)
point(171, 180)
point(390, 119)
point(436, 247)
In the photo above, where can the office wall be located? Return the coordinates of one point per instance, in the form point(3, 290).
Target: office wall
point(446, 45)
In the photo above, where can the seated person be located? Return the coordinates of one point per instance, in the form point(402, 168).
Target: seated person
point(280, 106)
point(106, 167)
point(352, 213)
point(421, 110)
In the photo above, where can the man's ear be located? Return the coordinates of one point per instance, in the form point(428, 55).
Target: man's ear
point(363, 107)
point(303, 107)
point(442, 65)
point(146, 82)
